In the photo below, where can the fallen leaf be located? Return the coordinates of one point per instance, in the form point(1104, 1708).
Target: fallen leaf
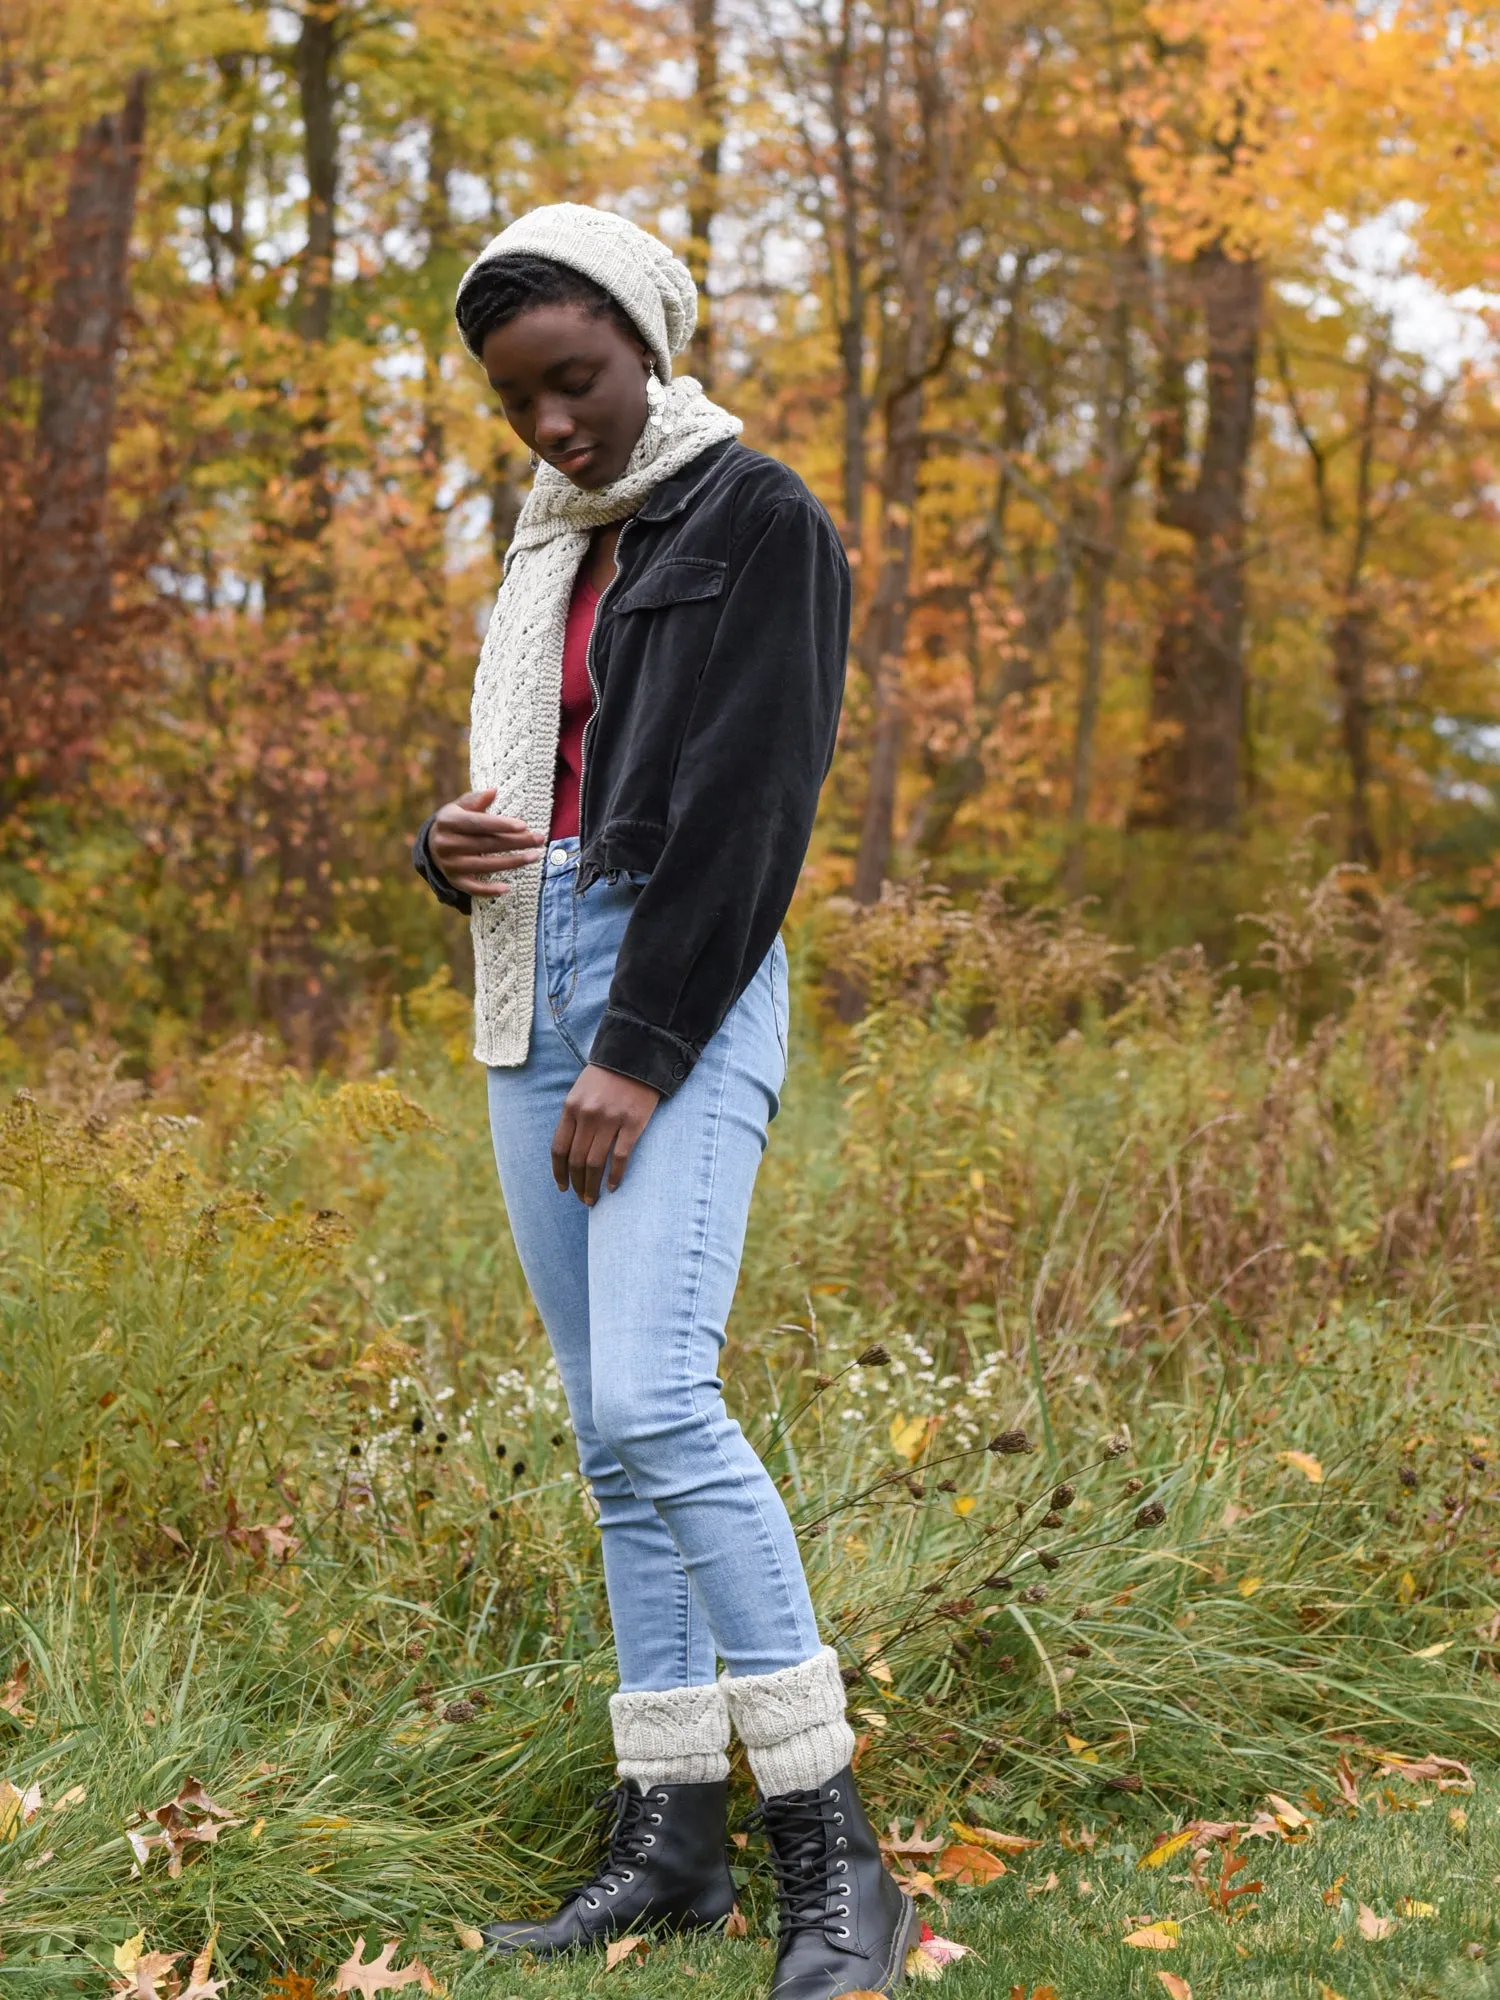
point(468, 1938)
point(127, 1953)
point(1409, 1907)
point(1176, 1987)
point(379, 1975)
point(1166, 1846)
point(1371, 1926)
point(943, 1950)
point(1348, 1789)
point(1160, 1936)
point(191, 1819)
point(1332, 1896)
point(74, 1796)
point(625, 1951)
point(1303, 1462)
point(898, 1844)
point(1327, 1993)
point(1433, 1652)
point(1290, 1816)
point(12, 1694)
point(917, 1882)
point(1447, 1772)
point(1003, 1843)
point(291, 1985)
point(17, 1808)
point(735, 1925)
point(971, 1866)
point(1458, 1819)
point(1043, 1888)
point(964, 1506)
point(1248, 1585)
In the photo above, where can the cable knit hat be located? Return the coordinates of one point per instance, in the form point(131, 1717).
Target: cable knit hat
point(635, 268)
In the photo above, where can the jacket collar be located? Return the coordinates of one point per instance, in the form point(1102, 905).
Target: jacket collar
point(676, 494)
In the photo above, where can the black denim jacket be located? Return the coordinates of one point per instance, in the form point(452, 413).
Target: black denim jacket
point(718, 654)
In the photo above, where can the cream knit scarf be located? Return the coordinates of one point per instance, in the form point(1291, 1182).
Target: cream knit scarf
point(513, 723)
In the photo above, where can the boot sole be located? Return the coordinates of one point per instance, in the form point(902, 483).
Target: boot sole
point(661, 1927)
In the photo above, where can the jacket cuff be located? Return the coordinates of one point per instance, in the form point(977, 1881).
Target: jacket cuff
point(636, 1048)
point(433, 876)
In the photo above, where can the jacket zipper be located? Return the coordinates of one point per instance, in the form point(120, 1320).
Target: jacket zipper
point(588, 661)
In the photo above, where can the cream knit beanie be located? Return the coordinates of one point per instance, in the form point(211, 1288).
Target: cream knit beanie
point(635, 268)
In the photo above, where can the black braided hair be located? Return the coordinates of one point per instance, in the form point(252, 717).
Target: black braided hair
point(505, 287)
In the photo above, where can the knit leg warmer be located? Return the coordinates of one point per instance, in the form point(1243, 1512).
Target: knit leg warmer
point(674, 1737)
point(792, 1723)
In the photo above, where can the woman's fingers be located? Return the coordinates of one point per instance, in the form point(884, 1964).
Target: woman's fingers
point(562, 1148)
point(587, 1176)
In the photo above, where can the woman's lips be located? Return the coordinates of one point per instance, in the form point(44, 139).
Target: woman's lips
point(569, 461)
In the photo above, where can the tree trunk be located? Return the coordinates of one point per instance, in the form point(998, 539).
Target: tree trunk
point(852, 320)
point(708, 116)
point(317, 50)
point(884, 640)
point(62, 595)
point(1190, 776)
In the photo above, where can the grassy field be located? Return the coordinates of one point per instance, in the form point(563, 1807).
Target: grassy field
point(1122, 1341)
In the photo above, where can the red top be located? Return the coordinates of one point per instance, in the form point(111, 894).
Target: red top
point(577, 707)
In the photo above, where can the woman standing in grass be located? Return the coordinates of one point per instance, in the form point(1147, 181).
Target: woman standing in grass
point(653, 716)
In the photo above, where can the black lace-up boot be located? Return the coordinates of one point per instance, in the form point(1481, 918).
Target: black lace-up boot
point(663, 1869)
point(845, 1925)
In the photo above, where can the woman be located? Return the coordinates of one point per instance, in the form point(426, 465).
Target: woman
point(653, 715)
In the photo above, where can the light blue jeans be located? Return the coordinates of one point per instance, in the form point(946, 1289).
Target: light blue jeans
point(699, 1556)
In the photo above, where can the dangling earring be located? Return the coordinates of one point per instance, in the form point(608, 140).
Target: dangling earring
point(656, 396)
point(535, 461)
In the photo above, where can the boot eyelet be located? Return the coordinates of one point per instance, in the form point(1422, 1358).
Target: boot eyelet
point(610, 1889)
point(592, 1902)
point(627, 1874)
point(842, 1910)
point(841, 1842)
point(838, 1819)
point(833, 1794)
point(656, 1819)
point(662, 1799)
point(841, 1931)
point(841, 1866)
point(648, 1840)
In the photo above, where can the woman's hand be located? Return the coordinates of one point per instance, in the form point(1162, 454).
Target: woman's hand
point(602, 1117)
point(470, 844)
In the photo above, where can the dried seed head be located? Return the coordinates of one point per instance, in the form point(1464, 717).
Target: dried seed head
point(850, 1676)
point(1116, 1447)
point(1082, 1611)
point(930, 1589)
point(1048, 1560)
point(1052, 1520)
point(1407, 1477)
point(1009, 1443)
point(1006, 1664)
point(823, 1381)
point(1064, 1718)
point(417, 1426)
point(873, 1357)
point(998, 1583)
point(1034, 1593)
point(460, 1711)
point(947, 1486)
point(1080, 1649)
point(1151, 1515)
point(1064, 1495)
point(1134, 1485)
point(1127, 1781)
point(556, 1438)
point(1477, 1460)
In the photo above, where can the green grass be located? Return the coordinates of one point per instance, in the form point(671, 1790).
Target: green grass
point(284, 1473)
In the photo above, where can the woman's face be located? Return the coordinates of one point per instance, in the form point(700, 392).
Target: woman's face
point(573, 388)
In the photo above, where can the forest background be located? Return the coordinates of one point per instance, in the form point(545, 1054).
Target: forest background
point(1117, 1312)
point(1143, 354)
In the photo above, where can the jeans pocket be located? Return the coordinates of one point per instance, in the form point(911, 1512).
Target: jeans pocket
point(781, 1000)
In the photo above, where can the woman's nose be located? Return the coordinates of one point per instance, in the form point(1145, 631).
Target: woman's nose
point(554, 425)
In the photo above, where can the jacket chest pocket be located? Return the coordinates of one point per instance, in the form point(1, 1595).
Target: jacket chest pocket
point(678, 580)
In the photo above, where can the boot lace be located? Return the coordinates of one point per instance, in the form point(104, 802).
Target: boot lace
point(627, 1843)
point(806, 1852)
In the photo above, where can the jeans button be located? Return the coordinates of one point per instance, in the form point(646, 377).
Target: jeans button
point(559, 857)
